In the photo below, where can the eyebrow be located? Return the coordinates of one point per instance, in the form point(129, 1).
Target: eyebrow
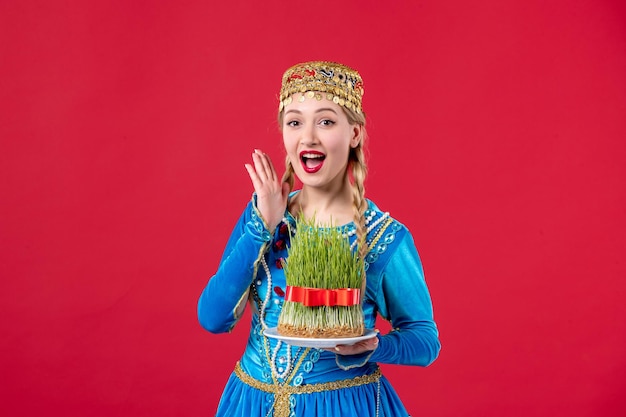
point(316, 111)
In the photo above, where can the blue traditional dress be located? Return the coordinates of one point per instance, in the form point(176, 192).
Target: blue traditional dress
point(276, 379)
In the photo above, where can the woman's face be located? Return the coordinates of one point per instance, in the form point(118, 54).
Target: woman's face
point(318, 138)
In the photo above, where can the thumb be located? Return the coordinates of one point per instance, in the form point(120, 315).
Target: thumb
point(286, 188)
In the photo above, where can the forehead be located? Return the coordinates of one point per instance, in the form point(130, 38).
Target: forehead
point(311, 102)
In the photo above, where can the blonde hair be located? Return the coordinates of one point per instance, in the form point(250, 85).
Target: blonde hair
point(357, 171)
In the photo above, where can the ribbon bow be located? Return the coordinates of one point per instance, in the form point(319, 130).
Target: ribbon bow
point(314, 297)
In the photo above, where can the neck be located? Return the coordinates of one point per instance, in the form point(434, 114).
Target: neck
point(329, 207)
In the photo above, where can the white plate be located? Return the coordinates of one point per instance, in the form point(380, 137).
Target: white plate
point(315, 342)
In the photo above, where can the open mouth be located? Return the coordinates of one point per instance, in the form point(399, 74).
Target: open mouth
point(312, 161)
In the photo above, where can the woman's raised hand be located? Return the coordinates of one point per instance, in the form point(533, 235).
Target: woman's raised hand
point(270, 191)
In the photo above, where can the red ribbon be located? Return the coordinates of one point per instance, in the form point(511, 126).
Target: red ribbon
point(314, 297)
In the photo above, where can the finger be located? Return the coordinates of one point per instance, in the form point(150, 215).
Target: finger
point(267, 165)
point(363, 346)
point(349, 349)
point(285, 190)
point(372, 343)
point(259, 168)
point(256, 182)
point(271, 166)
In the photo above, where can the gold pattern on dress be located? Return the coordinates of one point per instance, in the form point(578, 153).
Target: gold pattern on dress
point(282, 392)
point(282, 406)
point(379, 234)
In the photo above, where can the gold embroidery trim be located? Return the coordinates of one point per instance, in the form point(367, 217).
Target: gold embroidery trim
point(282, 392)
point(307, 388)
point(379, 234)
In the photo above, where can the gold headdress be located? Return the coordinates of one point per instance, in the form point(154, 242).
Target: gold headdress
point(320, 79)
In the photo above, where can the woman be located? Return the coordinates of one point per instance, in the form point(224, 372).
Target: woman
point(323, 129)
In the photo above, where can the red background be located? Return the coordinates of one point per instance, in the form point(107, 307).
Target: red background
point(497, 134)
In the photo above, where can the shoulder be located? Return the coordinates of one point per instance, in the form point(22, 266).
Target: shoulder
point(378, 220)
point(384, 233)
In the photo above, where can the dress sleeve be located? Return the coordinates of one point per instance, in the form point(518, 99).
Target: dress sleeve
point(404, 300)
point(222, 301)
point(402, 297)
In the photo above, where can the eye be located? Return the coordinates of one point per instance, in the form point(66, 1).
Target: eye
point(327, 122)
point(293, 123)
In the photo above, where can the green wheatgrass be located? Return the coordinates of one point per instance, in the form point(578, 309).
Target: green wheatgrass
point(320, 257)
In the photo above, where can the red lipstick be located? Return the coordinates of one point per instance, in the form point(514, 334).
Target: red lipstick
point(312, 161)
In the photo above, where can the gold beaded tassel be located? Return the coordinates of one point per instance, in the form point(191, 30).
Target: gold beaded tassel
point(282, 394)
point(282, 407)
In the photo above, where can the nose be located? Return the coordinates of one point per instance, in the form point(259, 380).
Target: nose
point(308, 135)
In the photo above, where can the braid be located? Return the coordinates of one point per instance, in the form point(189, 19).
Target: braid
point(358, 168)
point(359, 171)
point(288, 176)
